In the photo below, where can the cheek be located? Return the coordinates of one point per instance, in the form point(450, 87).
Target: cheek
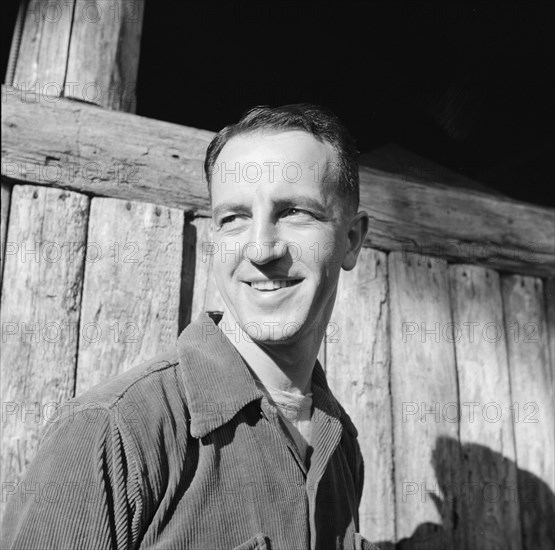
point(226, 255)
point(324, 252)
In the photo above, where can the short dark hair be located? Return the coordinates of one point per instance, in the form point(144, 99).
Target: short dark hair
point(314, 119)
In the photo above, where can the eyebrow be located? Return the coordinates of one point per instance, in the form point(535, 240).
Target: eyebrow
point(301, 200)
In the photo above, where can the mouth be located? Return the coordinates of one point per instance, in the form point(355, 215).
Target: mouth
point(272, 285)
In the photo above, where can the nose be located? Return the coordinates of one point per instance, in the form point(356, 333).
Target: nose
point(264, 245)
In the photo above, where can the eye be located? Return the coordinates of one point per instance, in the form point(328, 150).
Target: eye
point(231, 219)
point(297, 212)
point(228, 219)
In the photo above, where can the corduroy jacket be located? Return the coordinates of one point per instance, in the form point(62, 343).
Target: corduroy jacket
point(185, 452)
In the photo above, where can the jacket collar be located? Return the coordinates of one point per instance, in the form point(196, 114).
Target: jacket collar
point(218, 383)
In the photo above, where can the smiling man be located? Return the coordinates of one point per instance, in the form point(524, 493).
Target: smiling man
point(278, 200)
point(234, 440)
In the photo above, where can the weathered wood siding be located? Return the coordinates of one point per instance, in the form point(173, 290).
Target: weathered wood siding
point(103, 57)
point(41, 300)
point(358, 364)
point(423, 380)
point(205, 293)
point(131, 298)
point(533, 413)
point(490, 510)
point(444, 369)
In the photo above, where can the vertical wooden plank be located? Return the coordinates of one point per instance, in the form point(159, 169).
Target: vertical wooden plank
point(532, 407)
point(43, 53)
point(106, 73)
point(490, 505)
point(206, 296)
point(424, 391)
point(358, 364)
point(4, 216)
point(40, 313)
point(131, 295)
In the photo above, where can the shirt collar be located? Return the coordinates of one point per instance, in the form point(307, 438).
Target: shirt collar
point(218, 383)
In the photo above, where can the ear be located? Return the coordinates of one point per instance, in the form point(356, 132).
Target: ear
point(358, 228)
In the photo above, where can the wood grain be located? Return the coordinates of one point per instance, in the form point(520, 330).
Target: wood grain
point(105, 74)
point(43, 53)
point(533, 414)
point(358, 366)
point(104, 153)
point(131, 299)
point(206, 296)
point(131, 295)
point(41, 299)
point(41, 291)
point(491, 508)
point(40, 61)
point(423, 389)
point(69, 144)
point(457, 225)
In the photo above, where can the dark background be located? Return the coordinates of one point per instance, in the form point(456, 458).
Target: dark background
point(469, 86)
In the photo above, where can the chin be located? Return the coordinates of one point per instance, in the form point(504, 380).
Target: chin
point(264, 328)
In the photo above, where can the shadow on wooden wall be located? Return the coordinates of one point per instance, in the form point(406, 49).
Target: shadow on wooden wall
point(535, 499)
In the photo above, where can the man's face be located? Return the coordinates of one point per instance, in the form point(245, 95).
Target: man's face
point(281, 234)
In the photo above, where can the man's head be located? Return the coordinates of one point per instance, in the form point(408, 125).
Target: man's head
point(283, 228)
point(342, 173)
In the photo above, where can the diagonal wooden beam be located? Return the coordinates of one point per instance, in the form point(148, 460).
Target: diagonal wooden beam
point(72, 145)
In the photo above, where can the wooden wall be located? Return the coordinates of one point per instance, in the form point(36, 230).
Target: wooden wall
point(446, 369)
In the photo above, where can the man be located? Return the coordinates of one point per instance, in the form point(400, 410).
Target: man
point(234, 440)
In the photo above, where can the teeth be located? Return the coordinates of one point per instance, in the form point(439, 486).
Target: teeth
point(271, 285)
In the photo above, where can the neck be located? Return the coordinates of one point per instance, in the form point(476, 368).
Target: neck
point(285, 366)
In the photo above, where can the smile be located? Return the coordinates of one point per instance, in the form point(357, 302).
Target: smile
point(272, 285)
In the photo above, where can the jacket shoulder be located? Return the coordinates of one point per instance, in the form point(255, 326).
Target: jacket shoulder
point(138, 402)
point(139, 378)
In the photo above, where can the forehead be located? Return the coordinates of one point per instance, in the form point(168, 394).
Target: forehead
point(286, 155)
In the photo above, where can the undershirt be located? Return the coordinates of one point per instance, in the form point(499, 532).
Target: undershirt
point(296, 410)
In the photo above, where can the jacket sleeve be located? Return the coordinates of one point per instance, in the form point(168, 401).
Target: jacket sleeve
point(75, 492)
